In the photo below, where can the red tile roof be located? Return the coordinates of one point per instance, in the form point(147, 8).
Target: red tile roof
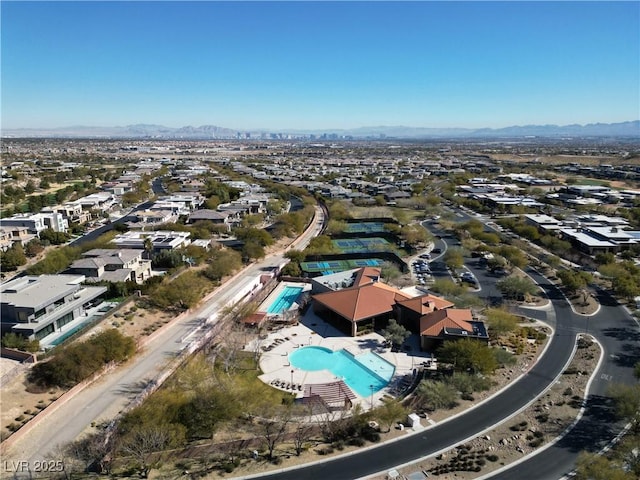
point(433, 324)
point(255, 318)
point(358, 303)
point(426, 304)
point(367, 275)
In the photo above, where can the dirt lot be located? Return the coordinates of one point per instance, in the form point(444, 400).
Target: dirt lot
point(18, 406)
point(561, 159)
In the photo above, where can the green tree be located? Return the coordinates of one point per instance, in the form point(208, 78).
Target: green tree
point(573, 280)
point(467, 384)
point(53, 237)
point(255, 235)
point(593, 466)
point(252, 250)
point(497, 262)
point(518, 288)
point(30, 187)
point(320, 245)
point(447, 288)
point(500, 321)
point(626, 399)
point(338, 211)
point(223, 262)
point(454, 258)
point(433, 395)
point(205, 411)
point(13, 258)
point(292, 269)
point(390, 271)
point(395, 333)
point(390, 412)
point(468, 355)
point(33, 248)
point(295, 255)
point(182, 293)
point(13, 340)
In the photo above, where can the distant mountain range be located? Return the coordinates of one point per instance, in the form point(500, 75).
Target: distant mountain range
point(140, 131)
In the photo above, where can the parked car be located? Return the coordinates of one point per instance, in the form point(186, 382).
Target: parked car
point(436, 250)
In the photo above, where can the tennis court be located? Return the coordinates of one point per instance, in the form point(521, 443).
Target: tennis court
point(362, 245)
point(334, 266)
point(365, 227)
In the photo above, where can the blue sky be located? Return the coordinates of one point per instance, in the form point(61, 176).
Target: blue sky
point(318, 65)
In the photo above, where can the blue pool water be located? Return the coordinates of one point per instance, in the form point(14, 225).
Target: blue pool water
point(66, 335)
point(285, 299)
point(364, 374)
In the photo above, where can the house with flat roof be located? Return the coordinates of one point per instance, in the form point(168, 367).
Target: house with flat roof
point(544, 223)
point(37, 222)
point(160, 240)
point(600, 239)
point(112, 265)
point(11, 235)
point(37, 306)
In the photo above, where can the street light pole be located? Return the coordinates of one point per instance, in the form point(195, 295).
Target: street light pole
point(371, 387)
point(292, 379)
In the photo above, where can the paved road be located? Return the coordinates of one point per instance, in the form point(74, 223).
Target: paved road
point(103, 400)
point(620, 337)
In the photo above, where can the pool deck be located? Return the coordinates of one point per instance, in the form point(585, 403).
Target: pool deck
point(314, 331)
point(273, 296)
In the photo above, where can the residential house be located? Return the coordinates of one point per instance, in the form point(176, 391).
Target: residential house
point(112, 265)
point(37, 306)
point(159, 240)
point(225, 218)
point(37, 222)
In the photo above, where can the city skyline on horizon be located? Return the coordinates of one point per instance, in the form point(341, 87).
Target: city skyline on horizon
point(316, 65)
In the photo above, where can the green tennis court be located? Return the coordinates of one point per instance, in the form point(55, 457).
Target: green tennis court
point(362, 245)
point(333, 266)
point(365, 227)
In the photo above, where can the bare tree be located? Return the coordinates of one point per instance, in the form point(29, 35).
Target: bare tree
point(272, 432)
point(143, 442)
point(92, 452)
point(302, 433)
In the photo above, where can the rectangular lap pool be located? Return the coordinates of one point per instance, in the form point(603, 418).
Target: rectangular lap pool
point(285, 299)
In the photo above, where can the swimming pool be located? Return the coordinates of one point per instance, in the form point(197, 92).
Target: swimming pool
point(71, 332)
point(365, 374)
point(285, 299)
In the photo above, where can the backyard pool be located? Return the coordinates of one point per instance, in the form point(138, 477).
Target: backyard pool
point(365, 374)
point(285, 299)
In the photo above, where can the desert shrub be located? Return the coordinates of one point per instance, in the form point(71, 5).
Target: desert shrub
point(79, 361)
point(543, 417)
